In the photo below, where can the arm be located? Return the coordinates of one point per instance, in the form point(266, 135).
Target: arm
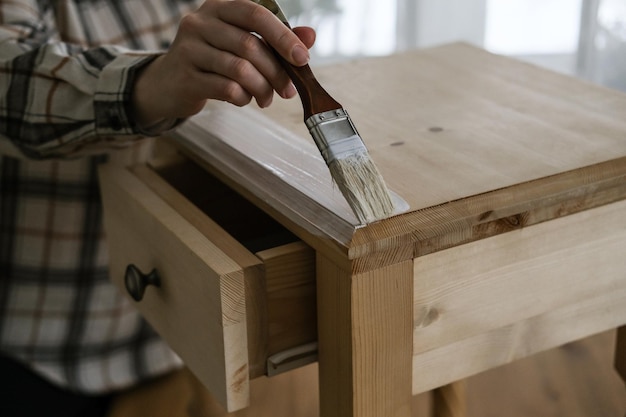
point(59, 99)
point(216, 56)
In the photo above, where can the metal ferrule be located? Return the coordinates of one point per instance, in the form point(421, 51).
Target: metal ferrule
point(335, 135)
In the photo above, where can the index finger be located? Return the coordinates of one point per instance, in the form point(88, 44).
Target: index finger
point(252, 17)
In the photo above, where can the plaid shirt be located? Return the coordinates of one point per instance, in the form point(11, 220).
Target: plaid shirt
point(66, 72)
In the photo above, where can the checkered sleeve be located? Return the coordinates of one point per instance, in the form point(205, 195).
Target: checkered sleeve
point(59, 98)
point(66, 73)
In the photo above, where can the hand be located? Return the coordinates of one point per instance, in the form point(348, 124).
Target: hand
point(215, 55)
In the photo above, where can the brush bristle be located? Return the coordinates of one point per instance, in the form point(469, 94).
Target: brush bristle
point(362, 186)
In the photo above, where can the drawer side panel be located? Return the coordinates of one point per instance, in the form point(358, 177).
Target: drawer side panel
point(200, 307)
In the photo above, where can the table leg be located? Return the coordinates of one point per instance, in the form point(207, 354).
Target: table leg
point(450, 400)
point(620, 353)
point(365, 325)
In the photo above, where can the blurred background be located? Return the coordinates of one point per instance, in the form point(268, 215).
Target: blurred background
point(584, 38)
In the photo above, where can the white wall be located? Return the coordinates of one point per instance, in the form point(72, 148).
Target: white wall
point(579, 37)
point(427, 23)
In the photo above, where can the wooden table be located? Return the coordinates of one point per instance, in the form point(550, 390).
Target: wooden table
point(513, 242)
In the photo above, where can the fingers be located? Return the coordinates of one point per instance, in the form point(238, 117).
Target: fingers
point(254, 18)
point(245, 59)
point(221, 52)
point(231, 49)
point(306, 35)
point(244, 74)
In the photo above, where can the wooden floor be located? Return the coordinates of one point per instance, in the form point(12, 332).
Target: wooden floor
point(575, 380)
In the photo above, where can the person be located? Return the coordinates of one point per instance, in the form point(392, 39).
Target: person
point(82, 83)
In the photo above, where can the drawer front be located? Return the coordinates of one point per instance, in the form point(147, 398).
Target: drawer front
point(200, 306)
point(223, 309)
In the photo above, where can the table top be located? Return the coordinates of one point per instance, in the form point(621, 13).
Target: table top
point(476, 144)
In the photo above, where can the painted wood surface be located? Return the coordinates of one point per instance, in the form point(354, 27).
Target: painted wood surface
point(455, 121)
point(476, 144)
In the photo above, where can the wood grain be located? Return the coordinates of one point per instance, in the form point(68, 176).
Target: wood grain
point(513, 241)
point(503, 298)
point(364, 325)
point(200, 308)
point(291, 296)
point(477, 144)
point(255, 293)
point(280, 280)
point(469, 121)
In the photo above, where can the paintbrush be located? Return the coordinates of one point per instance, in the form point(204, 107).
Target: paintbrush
point(346, 156)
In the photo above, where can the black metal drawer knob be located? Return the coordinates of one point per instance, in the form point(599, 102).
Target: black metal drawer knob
point(136, 281)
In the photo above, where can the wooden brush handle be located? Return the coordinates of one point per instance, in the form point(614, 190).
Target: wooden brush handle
point(313, 96)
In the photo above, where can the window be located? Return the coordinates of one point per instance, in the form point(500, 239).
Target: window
point(532, 27)
point(578, 37)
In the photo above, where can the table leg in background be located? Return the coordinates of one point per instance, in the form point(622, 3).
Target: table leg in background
point(450, 400)
point(620, 352)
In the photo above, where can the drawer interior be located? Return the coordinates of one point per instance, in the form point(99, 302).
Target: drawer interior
point(248, 224)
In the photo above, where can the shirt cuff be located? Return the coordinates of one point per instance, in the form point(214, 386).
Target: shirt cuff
point(112, 101)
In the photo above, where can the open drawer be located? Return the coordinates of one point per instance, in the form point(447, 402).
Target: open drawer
point(233, 286)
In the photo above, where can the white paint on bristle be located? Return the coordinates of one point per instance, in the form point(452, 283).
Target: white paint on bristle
point(363, 187)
